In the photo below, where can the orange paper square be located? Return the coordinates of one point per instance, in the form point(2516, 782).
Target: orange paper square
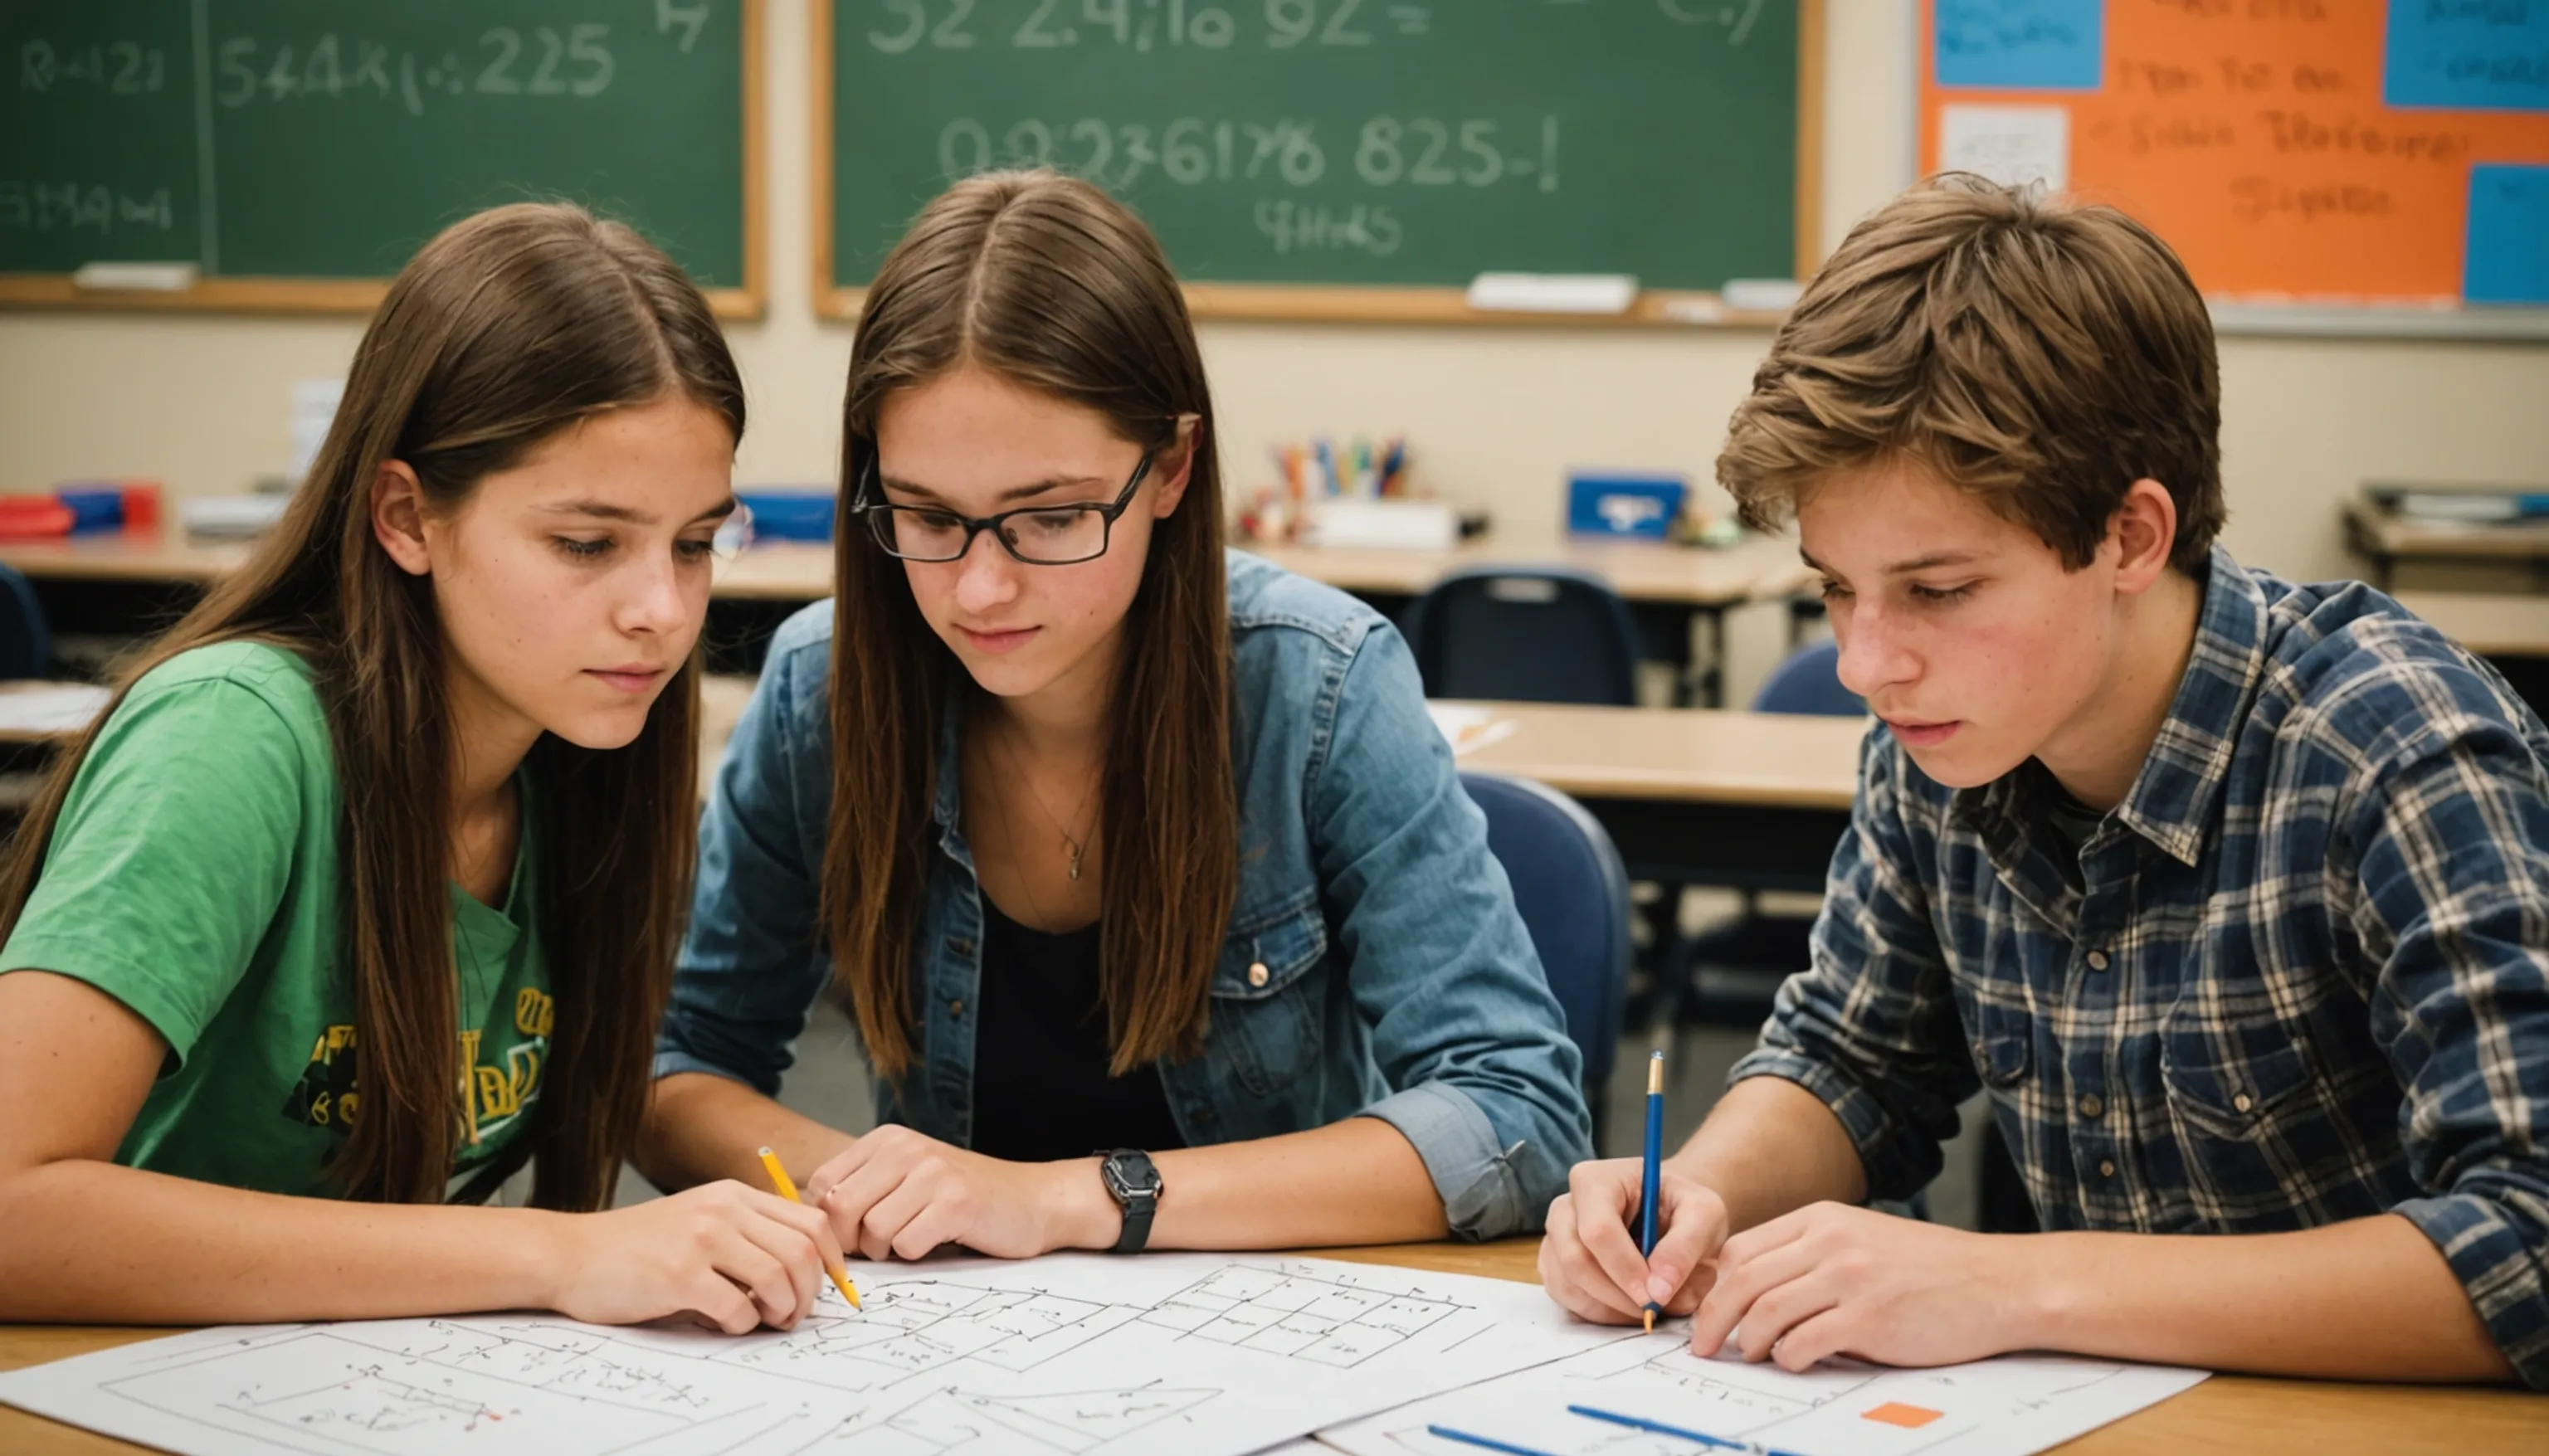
point(1894, 1412)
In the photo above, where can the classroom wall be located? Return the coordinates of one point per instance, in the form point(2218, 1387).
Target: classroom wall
point(1498, 415)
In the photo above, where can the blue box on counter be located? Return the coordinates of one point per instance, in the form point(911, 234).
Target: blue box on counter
point(94, 507)
point(1615, 504)
point(783, 514)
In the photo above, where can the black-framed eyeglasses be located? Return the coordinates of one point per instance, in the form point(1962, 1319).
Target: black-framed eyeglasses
point(1037, 535)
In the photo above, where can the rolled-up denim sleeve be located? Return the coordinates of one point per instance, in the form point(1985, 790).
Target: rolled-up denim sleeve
point(1870, 1025)
point(749, 970)
point(2452, 865)
point(1485, 1084)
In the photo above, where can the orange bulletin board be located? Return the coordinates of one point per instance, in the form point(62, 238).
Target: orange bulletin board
point(2320, 152)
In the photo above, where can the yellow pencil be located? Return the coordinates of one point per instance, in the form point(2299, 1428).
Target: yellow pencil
point(786, 1187)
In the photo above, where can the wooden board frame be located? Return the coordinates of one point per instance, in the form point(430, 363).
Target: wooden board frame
point(1355, 304)
point(252, 295)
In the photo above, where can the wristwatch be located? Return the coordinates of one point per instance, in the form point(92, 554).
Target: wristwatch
point(1133, 1181)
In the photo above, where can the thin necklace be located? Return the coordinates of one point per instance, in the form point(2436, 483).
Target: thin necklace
point(1075, 845)
point(1026, 882)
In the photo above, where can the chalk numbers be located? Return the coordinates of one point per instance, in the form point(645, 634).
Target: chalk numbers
point(901, 27)
point(542, 61)
point(120, 68)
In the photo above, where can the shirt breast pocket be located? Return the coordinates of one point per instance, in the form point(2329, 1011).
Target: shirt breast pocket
point(1267, 990)
point(2241, 1100)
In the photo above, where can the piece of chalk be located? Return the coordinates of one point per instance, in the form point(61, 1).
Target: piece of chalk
point(154, 277)
point(1553, 293)
point(1762, 295)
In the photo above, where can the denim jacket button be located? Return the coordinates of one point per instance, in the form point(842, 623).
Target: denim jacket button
point(1257, 975)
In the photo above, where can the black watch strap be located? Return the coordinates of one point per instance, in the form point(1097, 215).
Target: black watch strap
point(1133, 1181)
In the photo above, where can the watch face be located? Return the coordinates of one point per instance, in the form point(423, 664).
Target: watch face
point(1132, 1175)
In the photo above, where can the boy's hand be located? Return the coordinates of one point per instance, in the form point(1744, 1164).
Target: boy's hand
point(1831, 1279)
point(1589, 1261)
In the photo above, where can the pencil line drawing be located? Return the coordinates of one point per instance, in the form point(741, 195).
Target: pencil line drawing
point(1327, 1322)
point(1840, 1407)
point(1167, 1355)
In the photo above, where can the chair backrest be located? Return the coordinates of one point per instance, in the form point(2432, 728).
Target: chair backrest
point(1573, 895)
point(26, 647)
point(1525, 634)
point(1809, 682)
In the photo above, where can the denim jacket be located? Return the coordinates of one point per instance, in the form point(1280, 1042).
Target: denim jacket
point(1397, 980)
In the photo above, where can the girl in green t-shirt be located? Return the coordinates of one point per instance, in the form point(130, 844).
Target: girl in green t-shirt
point(367, 889)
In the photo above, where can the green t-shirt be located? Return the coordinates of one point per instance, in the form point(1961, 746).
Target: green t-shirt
point(193, 875)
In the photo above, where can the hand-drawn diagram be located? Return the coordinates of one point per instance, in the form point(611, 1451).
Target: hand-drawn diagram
point(1065, 1356)
point(2007, 1407)
point(951, 1421)
point(1325, 1321)
point(915, 1326)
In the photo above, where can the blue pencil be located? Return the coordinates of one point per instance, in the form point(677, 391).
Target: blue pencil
point(1639, 1423)
point(1654, 1191)
point(1449, 1434)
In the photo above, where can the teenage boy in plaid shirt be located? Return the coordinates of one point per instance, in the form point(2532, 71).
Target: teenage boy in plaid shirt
point(2232, 894)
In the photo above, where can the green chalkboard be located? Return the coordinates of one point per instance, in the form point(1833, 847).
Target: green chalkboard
point(280, 142)
point(1371, 143)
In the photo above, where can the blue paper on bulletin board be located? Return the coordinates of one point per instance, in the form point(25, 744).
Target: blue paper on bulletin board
point(2019, 44)
point(2507, 261)
point(2467, 57)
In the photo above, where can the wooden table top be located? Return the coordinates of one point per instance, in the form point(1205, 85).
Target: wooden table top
point(722, 699)
point(11, 733)
point(2230, 1415)
point(125, 556)
point(793, 570)
point(776, 571)
point(1642, 571)
point(2489, 623)
point(1717, 755)
point(1760, 567)
point(2390, 534)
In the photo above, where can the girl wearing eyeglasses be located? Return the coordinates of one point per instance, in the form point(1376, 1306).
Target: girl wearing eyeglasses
point(1161, 913)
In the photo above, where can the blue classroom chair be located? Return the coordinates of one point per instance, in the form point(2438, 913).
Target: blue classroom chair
point(1731, 973)
point(1537, 634)
point(26, 646)
point(1573, 897)
point(1808, 681)
point(1525, 634)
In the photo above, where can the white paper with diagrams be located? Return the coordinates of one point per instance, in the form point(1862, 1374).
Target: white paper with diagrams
point(1064, 1357)
point(2007, 1407)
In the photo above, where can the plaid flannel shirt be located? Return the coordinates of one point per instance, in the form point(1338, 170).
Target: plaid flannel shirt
point(2300, 974)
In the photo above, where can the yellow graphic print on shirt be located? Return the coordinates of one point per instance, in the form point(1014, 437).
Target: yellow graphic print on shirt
point(498, 1082)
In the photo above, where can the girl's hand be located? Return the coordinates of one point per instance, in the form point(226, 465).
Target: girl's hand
point(1589, 1261)
point(726, 1255)
point(897, 1195)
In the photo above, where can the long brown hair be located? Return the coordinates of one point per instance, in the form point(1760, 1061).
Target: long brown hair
point(1048, 283)
point(506, 328)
